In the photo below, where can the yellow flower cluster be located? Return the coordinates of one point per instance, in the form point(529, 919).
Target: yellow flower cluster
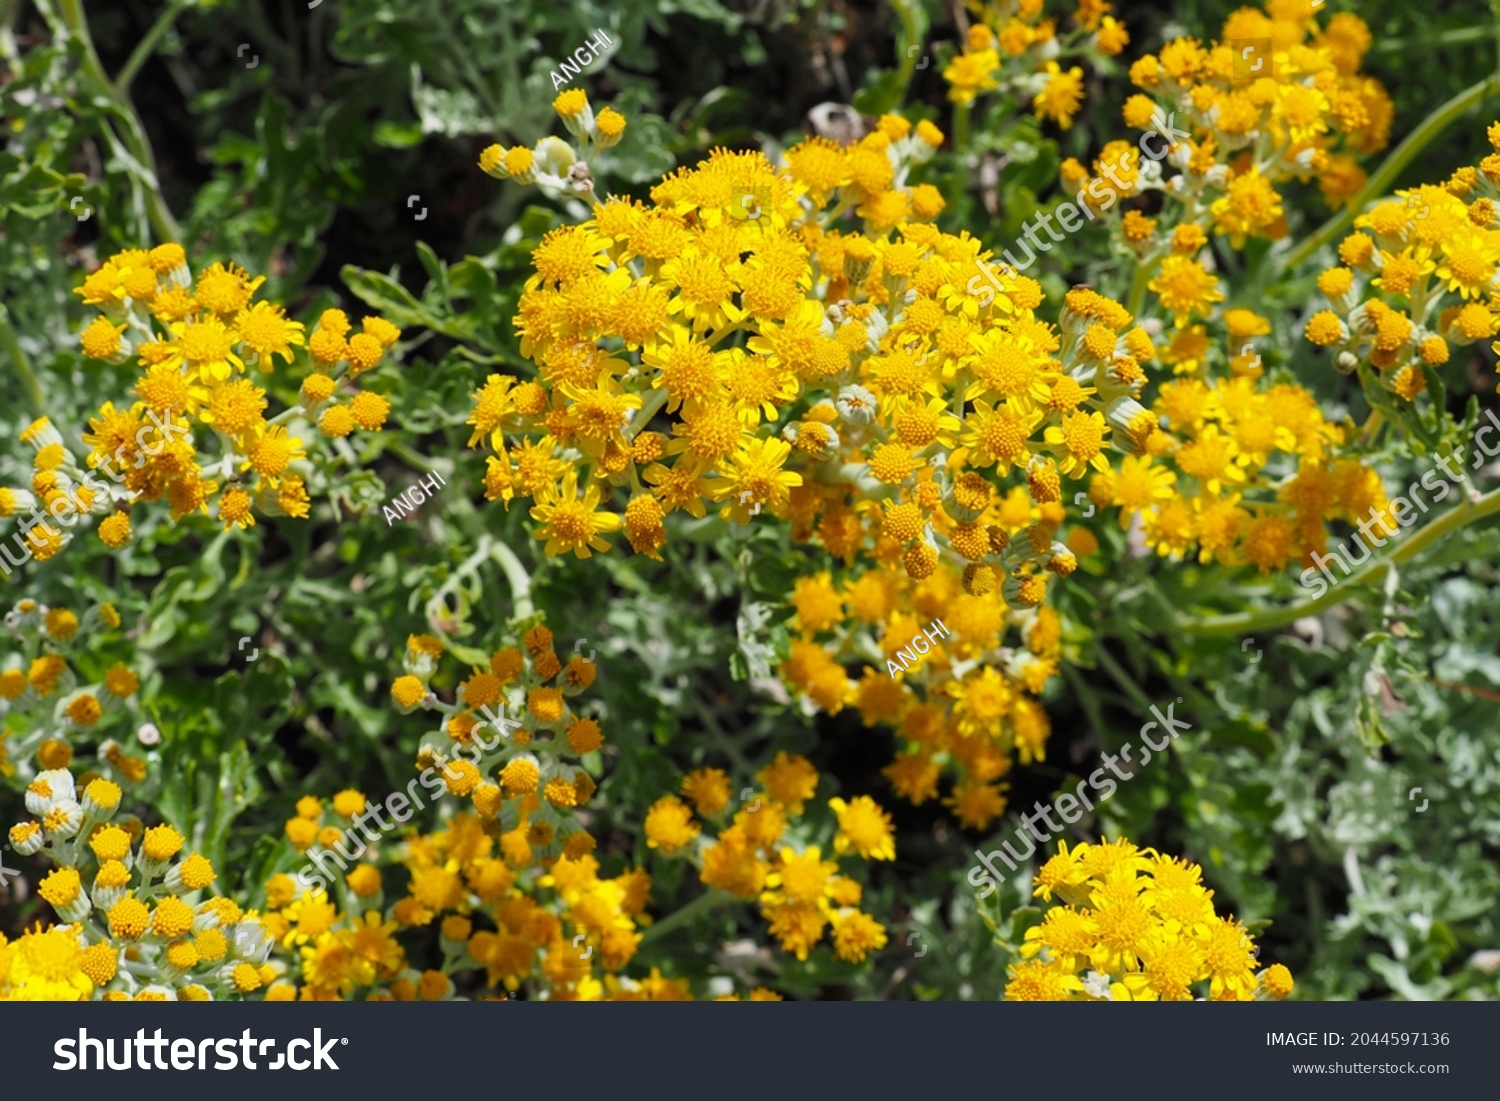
point(194, 343)
point(52, 965)
point(884, 340)
point(51, 701)
point(1135, 925)
point(555, 929)
point(966, 709)
point(59, 488)
point(138, 924)
point(1277, 99)
point(1240, 475)
point(921, 377)
point(801, 894)
point(1417, 277)
point(524, 788)
point(1238, 472)
point(627, 314)
point(1014, 50)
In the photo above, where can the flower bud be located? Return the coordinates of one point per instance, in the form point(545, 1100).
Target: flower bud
point(101, 799)
point(27, 838)
point(50, 788)
point(65, 819)
point(856, 404)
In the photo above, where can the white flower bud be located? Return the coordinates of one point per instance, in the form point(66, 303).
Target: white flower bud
point(27, 838)
point(50, 788)
point(65, 819)
point(105, 897)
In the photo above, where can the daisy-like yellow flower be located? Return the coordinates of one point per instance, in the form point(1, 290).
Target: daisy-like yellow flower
point(570, 522)
point(863, 827)
point(704, 290)
point(753, 476)
point(272, 452)
point(1469, 260)
point(999, 434)
point(206, 346)
point(1185, 287)
point(1139, 485)
point(1081, 439)
point(968, 74)
point(265, 331)
point(226, 290)
point(1061, 97)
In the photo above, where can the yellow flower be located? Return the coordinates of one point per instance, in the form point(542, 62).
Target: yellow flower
point(1139, 485)
point(703, 290)
point(977, 804)
point(1081, 437)
point(669, 825)
point(235, 408)
point(754, 474)
point(1185, 287)
point(1469, 260)
point(408, 691)
point(1035, 981)
point(234, 509)
point(571, 522)
point(864, 827)
point(790, 780)
point(708, 788)
point(46, 966)
point(265, 330)
point(609, 127)
point(571, 103)
point(968, 74)
point(855, 935)
point(336, 422)
point(206, 348)
point(272, 452)
point(369, 410)
point(1062, 95)
point(998, 434)
point(225, 290)
point(102, 340)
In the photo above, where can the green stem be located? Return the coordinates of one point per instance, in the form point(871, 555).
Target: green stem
point(18, 359)
point(520, 580)
point(1270, 618)
point(134, 135)
point(412, 459)
point(1420, 42)
point(510, 63)
point(910, 36)
point(1138, 283)
point(288, 414)
point(1415, 142)
point(961, 127)
point(709, 900)
point(1122, 678)
point(147, 46)
point(649, 409)
point(482, 550)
